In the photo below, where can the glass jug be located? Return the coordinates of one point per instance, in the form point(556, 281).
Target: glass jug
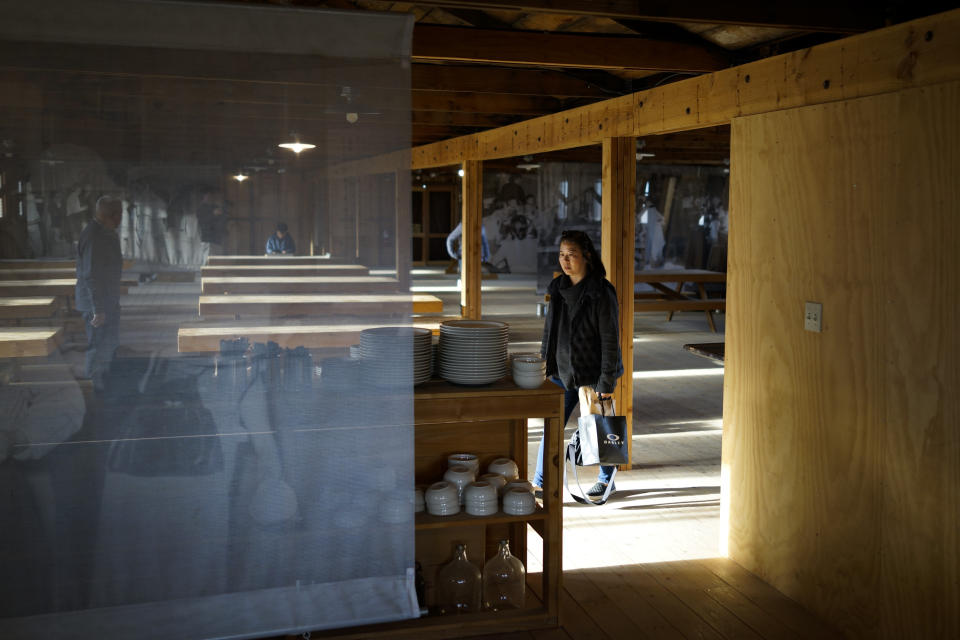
point(458, 585)
point(504, 580)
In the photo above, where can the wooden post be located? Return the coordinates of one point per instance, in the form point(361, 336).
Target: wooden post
point(403, 248)
point(618, 230)
point(472, 220)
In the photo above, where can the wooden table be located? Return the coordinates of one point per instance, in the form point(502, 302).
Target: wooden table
point(288, 305)
point(204, 339)
point(663, 298)
point(283, 270)
point(489, 421)
point(262, 260)
point(711, 350)
point(28, 342)
point(18, 308)
point(324, 284)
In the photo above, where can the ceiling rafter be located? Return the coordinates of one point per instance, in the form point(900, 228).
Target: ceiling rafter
point(852, 17)
point(568, 50)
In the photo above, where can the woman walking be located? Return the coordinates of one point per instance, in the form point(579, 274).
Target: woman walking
point(581, 341)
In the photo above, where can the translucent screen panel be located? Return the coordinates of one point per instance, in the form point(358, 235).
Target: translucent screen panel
point(188, 453)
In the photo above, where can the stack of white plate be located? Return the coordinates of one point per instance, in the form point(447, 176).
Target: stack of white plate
point(473, 351)
point(391, 356)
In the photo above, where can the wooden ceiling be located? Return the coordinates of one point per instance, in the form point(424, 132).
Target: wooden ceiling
point(480, 64)
point(476, 65)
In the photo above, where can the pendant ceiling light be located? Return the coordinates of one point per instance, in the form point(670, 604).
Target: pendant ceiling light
point(241, 176)
point(296, 145)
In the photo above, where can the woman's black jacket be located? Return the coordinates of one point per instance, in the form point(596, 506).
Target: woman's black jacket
point(593, 329)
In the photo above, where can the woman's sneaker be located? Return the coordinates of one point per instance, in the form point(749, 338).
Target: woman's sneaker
point(597, 490)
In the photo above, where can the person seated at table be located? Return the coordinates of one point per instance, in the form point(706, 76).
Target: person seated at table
point(280, 242)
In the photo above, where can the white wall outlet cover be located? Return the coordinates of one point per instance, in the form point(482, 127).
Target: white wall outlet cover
point(813, 316)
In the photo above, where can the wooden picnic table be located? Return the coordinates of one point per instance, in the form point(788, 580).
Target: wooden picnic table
point(286, 305)
point(305, 284)
point(28, 307)
point(283, 270)
point(261, 260)
point(663, 298)
point(29, 342)
point(312, 336)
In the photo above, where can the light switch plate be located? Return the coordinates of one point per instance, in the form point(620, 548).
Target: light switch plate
point(813, 316)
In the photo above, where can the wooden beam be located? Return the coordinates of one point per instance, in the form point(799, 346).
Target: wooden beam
point(617, 233)
point(470, 254)
point(433, 42)
point(848, 17)
point(917, 53)
point(479, 79)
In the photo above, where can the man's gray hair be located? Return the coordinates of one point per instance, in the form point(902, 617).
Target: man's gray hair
point(107, 202)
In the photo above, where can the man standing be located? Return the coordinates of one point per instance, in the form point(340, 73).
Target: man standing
point(99, 263)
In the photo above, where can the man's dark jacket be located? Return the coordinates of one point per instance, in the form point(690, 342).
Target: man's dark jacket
point(99, 263)
point(590, 323)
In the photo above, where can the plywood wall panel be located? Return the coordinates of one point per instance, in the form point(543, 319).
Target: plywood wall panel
point(920, 555)
point(814, 461)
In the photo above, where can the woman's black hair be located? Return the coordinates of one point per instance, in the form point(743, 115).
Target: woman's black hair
point(583, 241)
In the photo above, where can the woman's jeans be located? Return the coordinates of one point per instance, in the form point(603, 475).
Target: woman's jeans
point(571, 400)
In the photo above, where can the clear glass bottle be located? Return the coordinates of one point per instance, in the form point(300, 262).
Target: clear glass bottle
point(458, 585)
point(504, 580)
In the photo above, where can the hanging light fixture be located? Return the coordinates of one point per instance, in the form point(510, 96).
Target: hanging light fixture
point(241, 176)
point(296, 146)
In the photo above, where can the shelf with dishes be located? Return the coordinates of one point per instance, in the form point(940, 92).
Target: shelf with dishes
point(425, 520)
point(490, 422)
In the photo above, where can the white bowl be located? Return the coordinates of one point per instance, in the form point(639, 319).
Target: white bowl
point(519, 502)
point(505, 467)
point(526, 485)
point(529, 382)
point(481, 499)
point(461, 476)
point(495, 479)
point(480, 491)
point(464, 459)
point(441, 499)
point(528, 362)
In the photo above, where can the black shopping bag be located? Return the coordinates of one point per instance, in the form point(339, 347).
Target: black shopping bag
point(602, 439)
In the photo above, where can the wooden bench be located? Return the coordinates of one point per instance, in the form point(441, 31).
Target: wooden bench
point(283, 271)
point(203, 339)
point(280, 306)
point(38, 274)
point(318, 285)
point(29, 342)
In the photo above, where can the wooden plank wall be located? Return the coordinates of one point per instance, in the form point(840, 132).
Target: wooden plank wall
point(841, 448)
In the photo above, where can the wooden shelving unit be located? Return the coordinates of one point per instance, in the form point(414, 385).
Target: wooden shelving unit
point(490, 421)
